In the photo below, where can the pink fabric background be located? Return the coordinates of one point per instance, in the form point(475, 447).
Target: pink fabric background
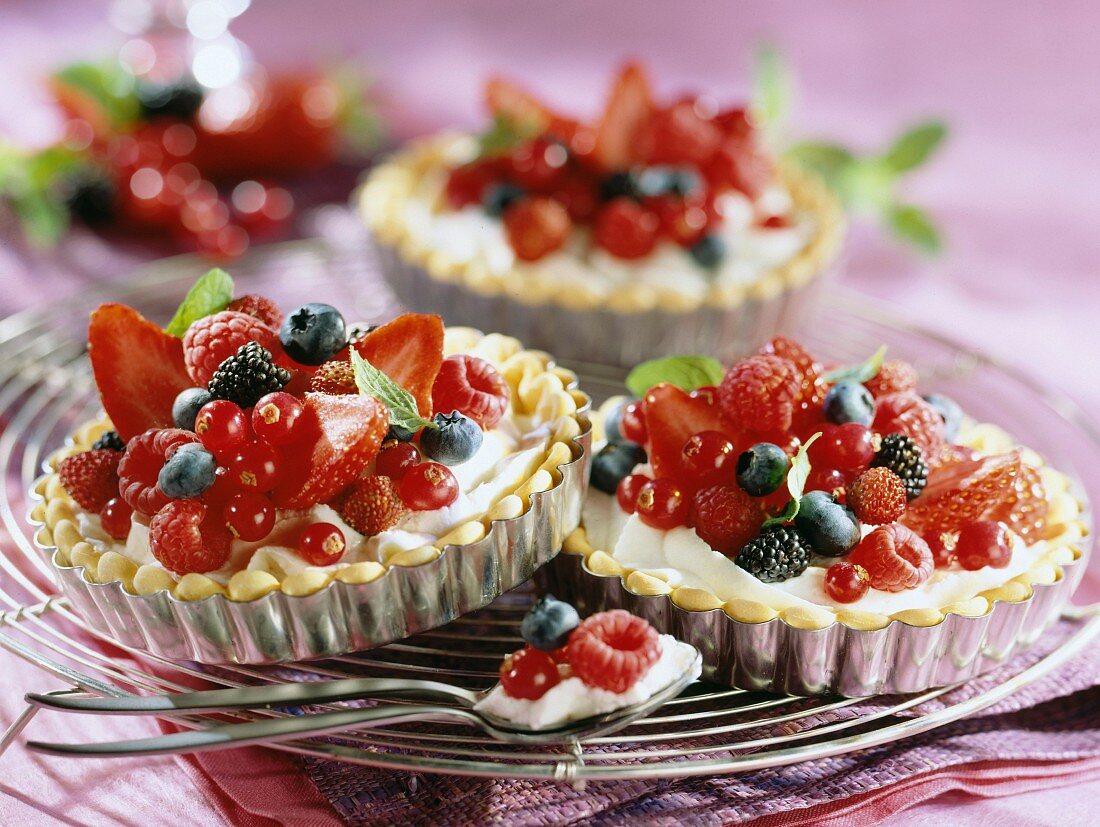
point(1016, 191)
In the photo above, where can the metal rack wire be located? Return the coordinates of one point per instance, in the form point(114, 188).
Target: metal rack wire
point(45, 389)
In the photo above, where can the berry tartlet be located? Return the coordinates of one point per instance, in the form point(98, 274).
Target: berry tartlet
point(265, 487)
point(572, 669)
point(819, 531)
point(660, 227)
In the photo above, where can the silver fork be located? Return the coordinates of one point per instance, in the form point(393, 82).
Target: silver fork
point(227, 736)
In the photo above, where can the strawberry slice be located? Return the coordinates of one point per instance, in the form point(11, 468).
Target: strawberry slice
point(138, 369)
point(338, 437)
point(509, 100)
point(962, 491)
point(673, 416)
point(628, 108)
point(409, 350)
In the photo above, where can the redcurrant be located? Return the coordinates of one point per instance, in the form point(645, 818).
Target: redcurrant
point(222, 427)
point(626, 229)
point(250, 516)
point(115, 518)
point(275, 418)
point(709, 458)
point(943, 549)
point(255, 467)
point(662, 504)
point(528, 674)
point(428, 486)
point(983, 543)
point(538, 165)
point(825, 479)
point(322, 544)
point(395, 459)
point(632, 422)
point(846, 582)
point(848, 447)
point(627, 492)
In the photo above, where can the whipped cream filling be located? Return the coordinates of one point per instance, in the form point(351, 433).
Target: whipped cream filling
point(572, 699)
point(681, 558)
point(469, 235)
point(509, 454)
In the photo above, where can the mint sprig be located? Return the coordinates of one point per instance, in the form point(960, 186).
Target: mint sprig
point(505, 134)
point(685, 372)
point(210, 294)
point(109, 85)
point(864, 371)
point(796, 483)
point(773, 90)
point(401, 404)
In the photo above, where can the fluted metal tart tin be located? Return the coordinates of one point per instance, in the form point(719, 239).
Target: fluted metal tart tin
point(341, 617)
point(774, 656)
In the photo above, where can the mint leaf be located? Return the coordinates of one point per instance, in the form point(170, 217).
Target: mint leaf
point(796, 483)
point(108, 85)
point(912, 224)
point(685, 372)
point(401, 404)
point(44, 220)
point(506, 133)
point(865, 370)
point(828, 160)
point(773, 89)
point(914, 146)
point(209, 294)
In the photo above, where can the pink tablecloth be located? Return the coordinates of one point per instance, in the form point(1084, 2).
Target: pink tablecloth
point(1016, 191)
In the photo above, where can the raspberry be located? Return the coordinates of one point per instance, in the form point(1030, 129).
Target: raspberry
point(335, 377)
point(895, 557)
point(811, 373)
point(472, 387)
point(536, 227)
point(371, 505)
point(1025, 509)
point(185, 538)
point(91, 477)
point(759, 393)
point(961, 492)
point(613, 650)
point(258, 307)
point(211, 340)
point(778, 553)
point(141, 464)
point(895, 376)
point(877, 496)
point(726, 517)
point(906, 413)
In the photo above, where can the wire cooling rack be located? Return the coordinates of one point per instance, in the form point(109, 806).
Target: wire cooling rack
point(46, 389)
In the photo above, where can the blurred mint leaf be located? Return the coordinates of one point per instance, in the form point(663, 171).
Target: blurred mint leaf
point(504, 134)
point(866, 370)
point(44, 220)
point(685, 372)
point(826, 159)
point(865, 186)
point(796, 483)
point(913, 225)
point(360, 126)
point(108, 85)
point(31, 185)
point(209, 295)
point(913, 147)
point(401, 404)
point(773, 90)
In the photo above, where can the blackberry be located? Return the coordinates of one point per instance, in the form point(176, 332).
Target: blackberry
point(247, 375)
point(904, 457)
point(778, 553)
point(90, 197)
point(358, 332)
point(180, 99)
point(623, 184)
point(110, 441)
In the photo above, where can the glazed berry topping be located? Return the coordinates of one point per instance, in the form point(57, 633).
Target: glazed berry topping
point(725, 517)
point(709, 458)
point(255, 467)
point(831, 528)
point(895, 557)
point(902, 456)
point(536, 227)
point(626, 229)
point(322, 544)
point(895, 376)
point(877, 496)
point(962, 491)
point(275, 418)
point(187, 405)
point(613, 463)
point(249, 516)
point(632, 422)
point(661, 504)
point(472, 387)
point(1025, 509)
point(372, 505)
point(313, 333)
point(549, 623)
point(188, 472)
point(778, 553)
point(213, 339)
point(115, 518)
point(453, 441)
point(140, 466)
point(762, 469)
point(983, 543)
point(428, 486)
point(846, 582)
point(184, 539)
point(849, 401)
point(222, 427)
point(759, 393)
point(528, 674)
point(395, 459)
point(91, 477)
point(629, 489)
point(613, 650)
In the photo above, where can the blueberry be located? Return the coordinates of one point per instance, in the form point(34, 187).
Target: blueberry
point(612, 423)
point(679, 181)
point(399, 433)
point(849, 401)
point(830, 527)
point(500, 197)
point(622, 184)
point(949, 411)
point(548, 624)
point(313, 333)
point(614, 461)
point(762, 469)
point(186, 407)
point(455, 440)
point(708, 251)
point(188, 472)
